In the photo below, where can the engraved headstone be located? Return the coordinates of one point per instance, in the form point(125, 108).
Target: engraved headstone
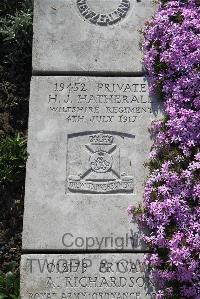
point(89, 35)
point(88, 141)
point(86, 276)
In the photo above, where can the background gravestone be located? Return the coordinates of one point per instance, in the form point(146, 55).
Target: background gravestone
point(86, 276)
point(89, 35)
point(88, 141)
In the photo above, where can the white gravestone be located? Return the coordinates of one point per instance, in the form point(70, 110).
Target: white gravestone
point(85, 276)
point(89, 35)
point(88, 141)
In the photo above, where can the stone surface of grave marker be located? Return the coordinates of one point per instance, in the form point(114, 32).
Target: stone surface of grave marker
point(89, 35)
point(88, 141)
point(86, 276)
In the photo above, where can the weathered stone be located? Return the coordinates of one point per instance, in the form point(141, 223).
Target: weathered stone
point(88, 141)
point(88, 276)
point(89, 35)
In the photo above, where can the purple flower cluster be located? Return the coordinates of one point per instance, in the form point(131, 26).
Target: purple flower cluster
point(172, 193)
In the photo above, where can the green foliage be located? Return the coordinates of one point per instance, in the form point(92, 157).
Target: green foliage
point(11, 6)
point(16, 40)
point(15, 74)
point(159, 65)
point(177, 18)
point(15, 50)
point(13, 157)
point(9, 284)
point(14, 35)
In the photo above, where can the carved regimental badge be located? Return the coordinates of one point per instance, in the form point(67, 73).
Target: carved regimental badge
point(99, 13)
point(102, 173)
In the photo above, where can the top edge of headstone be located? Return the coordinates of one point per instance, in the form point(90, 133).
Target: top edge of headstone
point(89, 36)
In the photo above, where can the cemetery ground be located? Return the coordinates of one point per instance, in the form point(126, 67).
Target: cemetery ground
point(15, 74)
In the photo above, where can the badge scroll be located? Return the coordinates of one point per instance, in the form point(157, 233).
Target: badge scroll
point(103, 19)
